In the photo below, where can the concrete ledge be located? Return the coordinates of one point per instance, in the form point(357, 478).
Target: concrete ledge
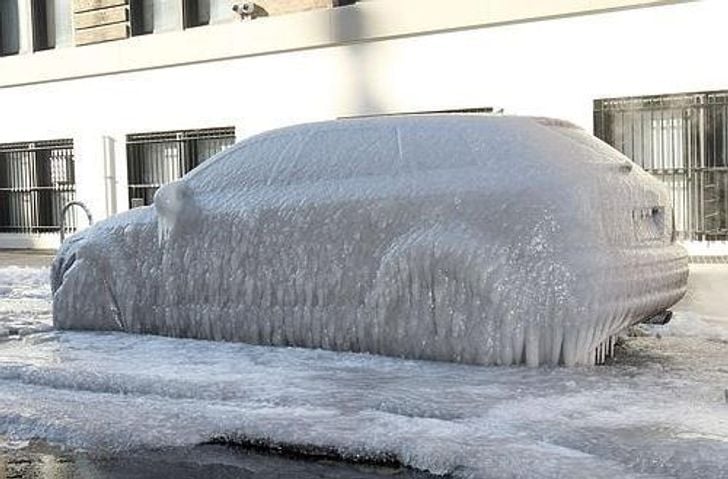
point(363, 22)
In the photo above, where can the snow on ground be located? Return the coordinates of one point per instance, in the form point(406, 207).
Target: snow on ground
point(660, 411)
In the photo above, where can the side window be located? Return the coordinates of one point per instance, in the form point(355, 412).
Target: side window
point(432, 146)
point(337, 153)
point(342, 152)
point(156, 158)
point(246, 165)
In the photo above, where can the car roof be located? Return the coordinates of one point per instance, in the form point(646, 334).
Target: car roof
point(431, 141)
point(413, 120)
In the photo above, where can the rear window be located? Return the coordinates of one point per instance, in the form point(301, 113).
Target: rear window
point(598, 151)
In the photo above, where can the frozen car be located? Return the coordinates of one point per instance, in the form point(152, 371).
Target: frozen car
point(478, 239)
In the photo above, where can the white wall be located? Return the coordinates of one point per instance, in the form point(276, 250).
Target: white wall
point(553, 68)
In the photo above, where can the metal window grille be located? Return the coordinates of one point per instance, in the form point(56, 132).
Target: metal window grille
point(682, 140)
point(154, 159)
point(36, 180)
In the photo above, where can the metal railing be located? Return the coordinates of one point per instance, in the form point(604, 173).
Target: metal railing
point(36, 180)
point(68, 207)
point(154, 159)
point(682, 140)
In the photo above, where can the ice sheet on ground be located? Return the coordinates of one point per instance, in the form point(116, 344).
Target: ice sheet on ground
point(660, 413)
point(24, 301)
point(703, 312)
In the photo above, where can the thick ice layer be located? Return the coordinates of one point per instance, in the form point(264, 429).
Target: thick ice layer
point(487, 240)
point(659, 413)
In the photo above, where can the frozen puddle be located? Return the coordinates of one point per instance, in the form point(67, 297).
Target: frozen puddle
point(660, 412)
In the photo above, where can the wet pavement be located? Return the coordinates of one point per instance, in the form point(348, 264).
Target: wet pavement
point(40, 461)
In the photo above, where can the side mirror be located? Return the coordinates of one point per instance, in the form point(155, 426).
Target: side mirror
point(175, 207)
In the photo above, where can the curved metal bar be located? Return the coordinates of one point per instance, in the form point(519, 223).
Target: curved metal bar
point(63, 216)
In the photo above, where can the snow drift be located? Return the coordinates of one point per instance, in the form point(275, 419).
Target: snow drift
point(486, 240)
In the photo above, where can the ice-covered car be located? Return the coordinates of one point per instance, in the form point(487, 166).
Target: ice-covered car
point(478, 239)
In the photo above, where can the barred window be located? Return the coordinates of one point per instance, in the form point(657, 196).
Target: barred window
point(682, 139)
point(36, 180)
point(154, 159)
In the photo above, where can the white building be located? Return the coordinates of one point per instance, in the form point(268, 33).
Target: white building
point(102, 100)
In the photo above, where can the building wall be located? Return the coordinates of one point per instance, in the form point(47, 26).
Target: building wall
point(281, 7)
point(553, 67)
point(367, 21)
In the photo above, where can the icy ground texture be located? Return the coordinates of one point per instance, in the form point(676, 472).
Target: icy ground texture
point(660, 412)
point(487, 240)
point(24, 301)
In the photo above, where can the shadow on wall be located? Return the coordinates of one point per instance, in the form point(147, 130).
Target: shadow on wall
point(357, 92)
